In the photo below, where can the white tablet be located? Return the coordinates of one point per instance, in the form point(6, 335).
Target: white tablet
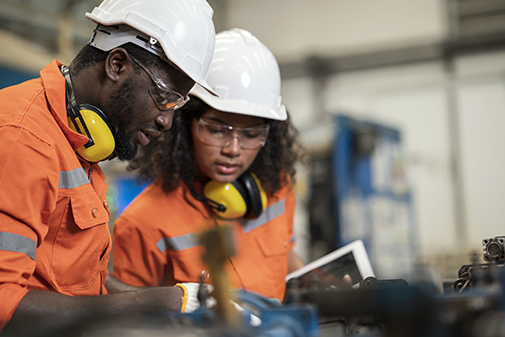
point(351, 259)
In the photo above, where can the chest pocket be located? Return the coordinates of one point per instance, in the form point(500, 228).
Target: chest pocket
point(267, 251)
point(185, 255)
point(272, 245)
point(80, 245)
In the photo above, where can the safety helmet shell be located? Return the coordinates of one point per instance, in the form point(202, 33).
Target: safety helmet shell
point(183, 28)
point(245, 75)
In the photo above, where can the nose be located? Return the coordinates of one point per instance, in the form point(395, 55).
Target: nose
point(164, 120)
point(233, 147)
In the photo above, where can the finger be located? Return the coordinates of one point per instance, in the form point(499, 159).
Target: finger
point(347, 279)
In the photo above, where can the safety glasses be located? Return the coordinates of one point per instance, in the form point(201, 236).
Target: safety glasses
point(164, 97)
point(221, 135)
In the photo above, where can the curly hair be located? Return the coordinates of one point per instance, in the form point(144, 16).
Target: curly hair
point(170, 157)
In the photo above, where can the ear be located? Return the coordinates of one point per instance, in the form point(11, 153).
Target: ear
point(117, 64)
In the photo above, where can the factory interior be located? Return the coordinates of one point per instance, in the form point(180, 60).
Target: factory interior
point(399, 105)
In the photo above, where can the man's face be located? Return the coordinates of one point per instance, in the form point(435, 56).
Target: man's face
point(133, 113)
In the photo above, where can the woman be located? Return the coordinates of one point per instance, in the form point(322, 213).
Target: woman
point(243, 139)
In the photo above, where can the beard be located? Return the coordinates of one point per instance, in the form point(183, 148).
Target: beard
point(121, 115)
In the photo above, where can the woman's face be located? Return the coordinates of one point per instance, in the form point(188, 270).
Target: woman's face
point(223, 163)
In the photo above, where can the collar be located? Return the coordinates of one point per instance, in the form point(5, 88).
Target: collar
point(205, 210)
point(54, 86)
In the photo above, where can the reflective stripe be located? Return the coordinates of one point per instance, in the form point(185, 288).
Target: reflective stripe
point(73, 178)
point(268, 215)
point(189, 240)
point(178, 243)
point(293, 237)
point(18, 243)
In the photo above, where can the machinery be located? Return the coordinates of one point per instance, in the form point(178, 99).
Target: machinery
point(483, 275)
point(472, 307)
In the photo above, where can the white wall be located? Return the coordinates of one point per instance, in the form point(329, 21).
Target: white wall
point(294, 29)
point(481, 102)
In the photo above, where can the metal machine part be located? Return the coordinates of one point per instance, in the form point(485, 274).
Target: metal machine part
point(494, 249)
point(372, 282)
point(483, 275)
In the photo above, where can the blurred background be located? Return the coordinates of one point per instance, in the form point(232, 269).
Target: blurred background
point(400, 105)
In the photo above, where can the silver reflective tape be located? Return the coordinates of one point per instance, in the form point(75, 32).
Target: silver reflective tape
point(178, 243)
point(17, 243)
point(268, 215)
point(73, 178)
point(162, 244)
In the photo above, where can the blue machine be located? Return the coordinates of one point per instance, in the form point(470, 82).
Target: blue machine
point(277, 320)
point(372, 196)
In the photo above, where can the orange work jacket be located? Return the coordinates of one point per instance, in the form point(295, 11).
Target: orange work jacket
point(53, 212)
point(154, 242)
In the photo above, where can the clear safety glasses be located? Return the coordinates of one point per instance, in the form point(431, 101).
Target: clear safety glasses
point(164, 97)
point(221, 135)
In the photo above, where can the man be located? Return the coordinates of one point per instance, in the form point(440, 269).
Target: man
point(119, 91)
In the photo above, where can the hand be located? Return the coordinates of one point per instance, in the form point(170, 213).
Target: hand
point(345, 283)
point(193, 293)
point(191, 298)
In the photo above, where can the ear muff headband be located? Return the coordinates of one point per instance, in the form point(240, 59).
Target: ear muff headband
point(91, 122)
point(244, 196)
point(261, 192)
point(253, 194)
point(241, 189)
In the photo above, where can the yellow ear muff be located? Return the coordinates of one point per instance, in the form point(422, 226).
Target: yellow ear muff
point(227, 195)
point(103, 144)
point(240, 197)
point(91, 122)
point(262, 193)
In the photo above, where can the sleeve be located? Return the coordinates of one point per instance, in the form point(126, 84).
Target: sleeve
point(136, 257)
point(29, 186)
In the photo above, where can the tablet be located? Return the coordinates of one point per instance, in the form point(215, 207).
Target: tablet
point(351, 259)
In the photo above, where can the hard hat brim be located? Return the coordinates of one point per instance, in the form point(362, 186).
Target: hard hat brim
point(241, 107)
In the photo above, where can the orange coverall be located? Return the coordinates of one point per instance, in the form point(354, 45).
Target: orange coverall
point(154, 242)
point(53, 212)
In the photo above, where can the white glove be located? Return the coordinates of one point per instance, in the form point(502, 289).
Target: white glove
point(190, 301)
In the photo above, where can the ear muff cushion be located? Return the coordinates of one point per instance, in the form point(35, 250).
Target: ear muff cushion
point(255, 205)
point(231, 195)
point(101, 133)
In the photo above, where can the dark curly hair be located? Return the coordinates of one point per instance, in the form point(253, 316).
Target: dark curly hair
point(170, 157)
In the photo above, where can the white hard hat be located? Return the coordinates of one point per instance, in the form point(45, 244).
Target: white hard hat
point(245, 75)
point(179, 31)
